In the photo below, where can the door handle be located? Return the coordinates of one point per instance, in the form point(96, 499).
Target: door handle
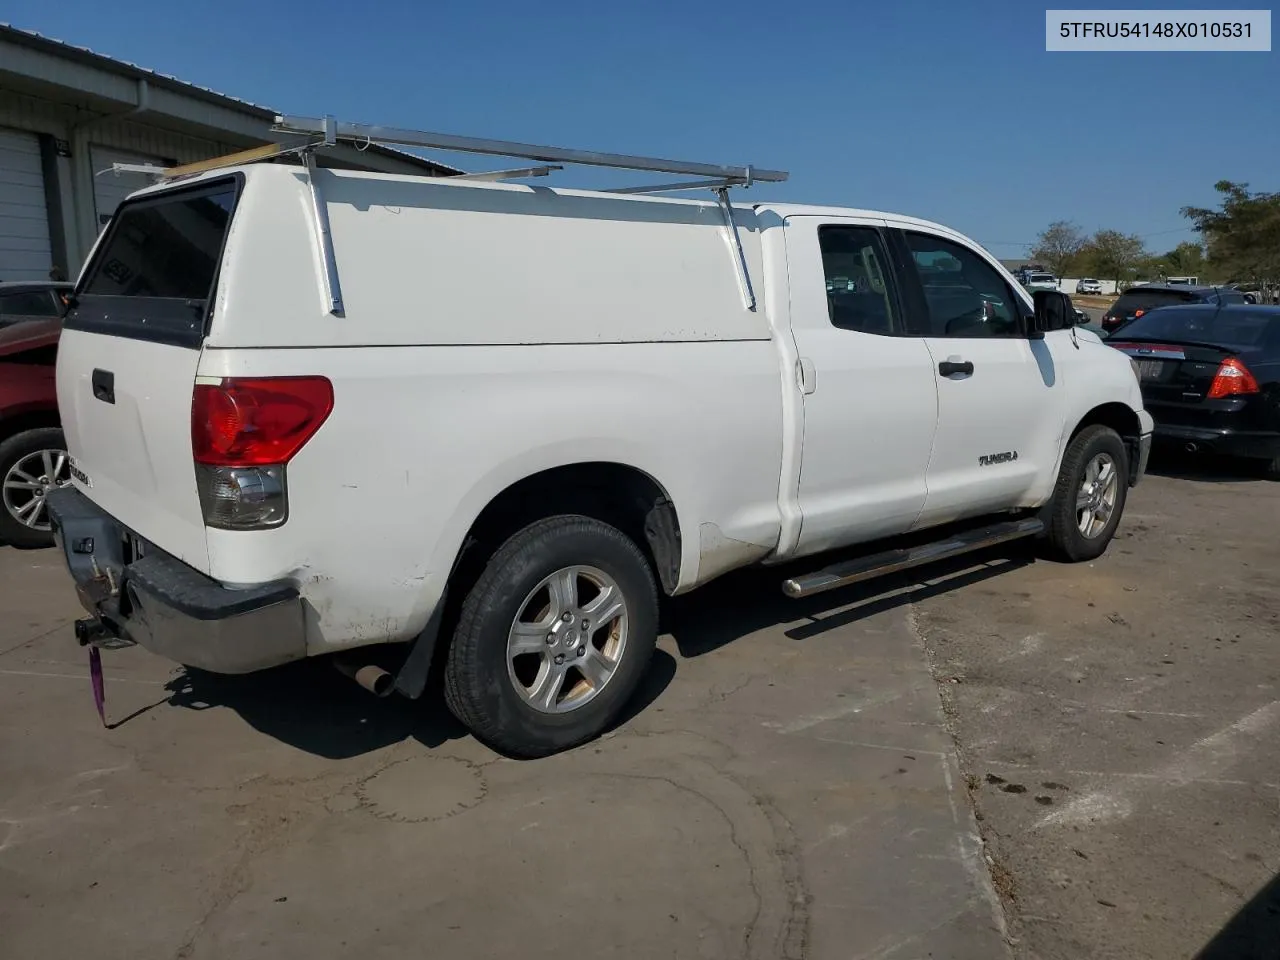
point(104, 385)
point(948, 367)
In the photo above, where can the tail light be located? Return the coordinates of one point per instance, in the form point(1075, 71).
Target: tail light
point(244, 432)
point(1233, 379)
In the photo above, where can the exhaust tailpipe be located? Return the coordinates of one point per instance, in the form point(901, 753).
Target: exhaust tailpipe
point(1192, 447)
point(374, 679)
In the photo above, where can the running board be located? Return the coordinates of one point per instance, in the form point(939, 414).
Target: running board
point(890, 561)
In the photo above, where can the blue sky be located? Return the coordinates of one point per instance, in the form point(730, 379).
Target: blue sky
point(950, 111)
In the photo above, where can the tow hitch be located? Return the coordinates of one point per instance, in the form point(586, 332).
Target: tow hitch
point(94, 634)
point(101, 592)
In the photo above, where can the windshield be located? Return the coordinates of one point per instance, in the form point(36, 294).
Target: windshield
point(1228, 328)
point(1042, 278)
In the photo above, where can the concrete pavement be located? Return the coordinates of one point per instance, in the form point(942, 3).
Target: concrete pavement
point(1120, 723)
point(787, 789)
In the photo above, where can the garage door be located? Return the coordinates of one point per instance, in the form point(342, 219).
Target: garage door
point(109, 188)
point(25, 253)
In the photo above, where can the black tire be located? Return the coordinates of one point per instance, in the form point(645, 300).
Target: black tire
point(12, 530)
point(1065, 539)
point(478, 688)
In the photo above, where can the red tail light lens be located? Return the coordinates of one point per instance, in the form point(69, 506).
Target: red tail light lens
point(1233, 379)
point(257, 421)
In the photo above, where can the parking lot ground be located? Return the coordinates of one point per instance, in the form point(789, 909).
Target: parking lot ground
point(1120, 728)
point(788, 785)
point(784, 788)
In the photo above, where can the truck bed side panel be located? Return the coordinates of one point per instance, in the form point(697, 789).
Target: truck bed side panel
point(422, 438)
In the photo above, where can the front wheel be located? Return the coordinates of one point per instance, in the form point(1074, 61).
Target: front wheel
point(554, 638)
point(1090, 495)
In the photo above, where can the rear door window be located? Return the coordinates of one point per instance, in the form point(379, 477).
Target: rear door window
point(859, 295)
point(153, 276)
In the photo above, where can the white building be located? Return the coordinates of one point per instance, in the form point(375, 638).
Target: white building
point(67, 114)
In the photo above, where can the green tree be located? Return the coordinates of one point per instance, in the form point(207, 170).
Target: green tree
point(1243, 235)
point(1059, 246)
point(1185, 260)
point(1115, 255)
point(1153, 267)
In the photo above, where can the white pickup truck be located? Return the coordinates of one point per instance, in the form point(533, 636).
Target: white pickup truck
point(312, 410)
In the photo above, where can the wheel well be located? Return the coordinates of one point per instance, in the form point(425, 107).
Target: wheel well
point(622, 496)
point(1123, 421)
point(619, 495)
point(29, 420)
point(1117, 416)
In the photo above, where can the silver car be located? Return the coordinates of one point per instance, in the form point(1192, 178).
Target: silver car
point(1088, 285)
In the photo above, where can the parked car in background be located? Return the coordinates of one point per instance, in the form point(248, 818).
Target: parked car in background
point(33, 457)
point(1040, 281)
point(1250, 293)
point(1137, 301)
point(32, 300)
point(1088, 285)
point(1210, 376)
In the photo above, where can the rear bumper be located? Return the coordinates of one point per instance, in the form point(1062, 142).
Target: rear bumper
point(1259, 445)
point(171, 609)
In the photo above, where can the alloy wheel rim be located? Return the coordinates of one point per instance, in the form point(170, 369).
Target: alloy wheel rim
point(29, 481)
point(1096, 497)
point(568, 639)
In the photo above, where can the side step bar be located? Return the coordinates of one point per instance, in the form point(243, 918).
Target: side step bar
point(891, 561)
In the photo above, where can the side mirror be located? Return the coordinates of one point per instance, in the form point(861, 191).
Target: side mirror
point(1054, 311)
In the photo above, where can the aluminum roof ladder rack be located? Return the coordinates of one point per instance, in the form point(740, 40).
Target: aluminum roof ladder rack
point(326, 132)
point(715, 174)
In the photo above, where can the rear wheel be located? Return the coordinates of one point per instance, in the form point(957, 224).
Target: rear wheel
point(31, 464)
point(554, 638)
point(1090, 494)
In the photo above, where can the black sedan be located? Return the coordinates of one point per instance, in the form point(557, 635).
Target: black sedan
point(1210, 377)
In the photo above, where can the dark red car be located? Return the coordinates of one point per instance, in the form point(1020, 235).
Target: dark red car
point(33, 457)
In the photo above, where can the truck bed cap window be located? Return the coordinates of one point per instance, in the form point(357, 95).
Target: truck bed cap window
point(154, 273)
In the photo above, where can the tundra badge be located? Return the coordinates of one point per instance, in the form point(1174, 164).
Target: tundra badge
point(987, 459)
